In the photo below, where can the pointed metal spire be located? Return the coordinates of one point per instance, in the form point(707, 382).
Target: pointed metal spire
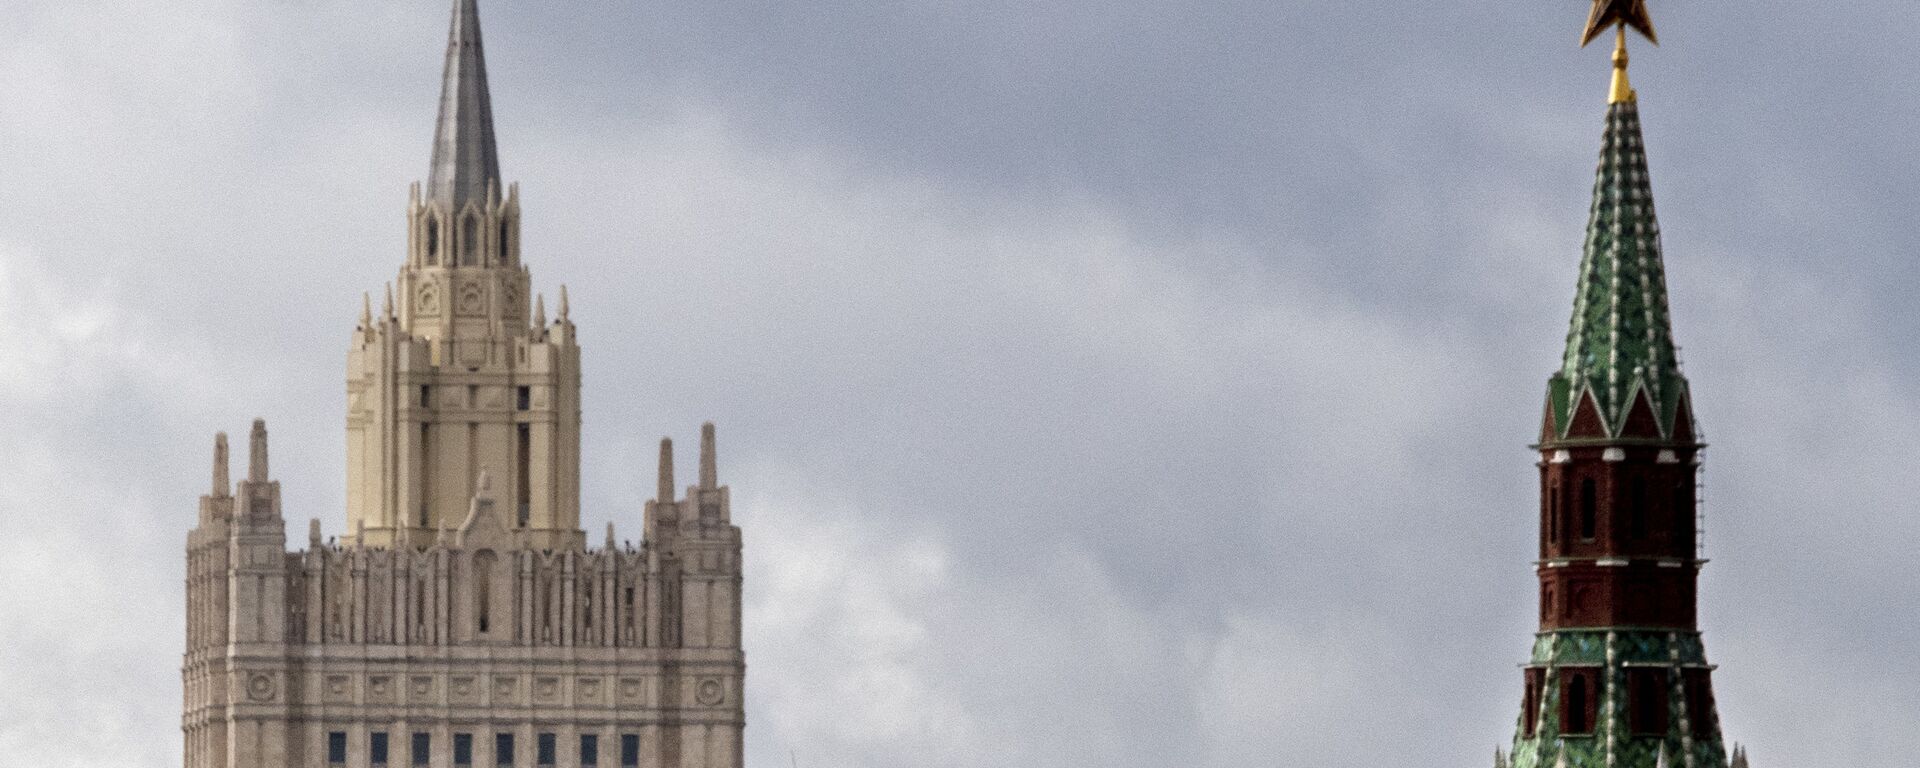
point(465, 161)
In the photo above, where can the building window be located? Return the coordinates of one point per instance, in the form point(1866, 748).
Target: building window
point(1553, 514)
point(1637, 511)
point(433, 240)
point(1577, 716)
point(589, 750)
point(469, 237)
point(1530, 704)
point(337, 748)
point(523, 485)
point(463, 749)
point(483, 589)
point(1589, 509)
point(377, 748)
point(523, 397)
point(1647, 700)
point(1699, 703)
point(545, 752)
point(422, 748)
point(629, 750)
point(505, 234)
point(503, 749)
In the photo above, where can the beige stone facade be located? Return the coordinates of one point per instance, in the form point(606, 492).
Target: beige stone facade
point(462, 619)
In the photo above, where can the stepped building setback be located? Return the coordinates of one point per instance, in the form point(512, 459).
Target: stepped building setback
point(462, 619)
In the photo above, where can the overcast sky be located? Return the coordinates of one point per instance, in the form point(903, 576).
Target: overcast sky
point(1131, 383)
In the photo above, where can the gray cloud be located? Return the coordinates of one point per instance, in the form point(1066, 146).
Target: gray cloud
point(1123, 384)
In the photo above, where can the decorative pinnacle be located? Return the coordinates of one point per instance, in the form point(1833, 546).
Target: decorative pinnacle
point(366, 311)
point(220, 485)
point(665, 494)
point(563, 304)
point(1622, 91)
point(257, 459)
point(709, 465)
point(539, 310)
point(386, 305)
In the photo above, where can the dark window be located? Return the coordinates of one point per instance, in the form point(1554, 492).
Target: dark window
point(1530, 705)
point(523, 397)
point(544, 755)
point(589, 749)
point(463, 749)
point(1589, 509)
point(505, 232)
point(377, 748)
point(1637, 511)
point(1553, 514)
point(422, 748)
point(337, 748)
point(1699, 703)
point(1578, 717)
point(433, 240)
point(1682, 512)
point(469, 240)
point(503, 749)
point(523, 484)
point(1647, 698)
point(426, 396)
point(629, 750)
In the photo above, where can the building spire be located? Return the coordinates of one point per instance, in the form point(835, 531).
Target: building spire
point(665, 494)
point(1620, 339)
point(466, 165)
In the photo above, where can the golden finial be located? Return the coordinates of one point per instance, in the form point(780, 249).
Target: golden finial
point(1622, 89)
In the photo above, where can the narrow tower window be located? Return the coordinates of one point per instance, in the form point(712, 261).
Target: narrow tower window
point(1637, 509)
point(1577, 695)
point(1553, 514)
point(1699, 703)
point(483, 589)
point(377, 749)
point(337, 748)
point(1530, 705)
point(1589, 509)
point(422, 748)
point(433, 240)
point(523, 490)
point(503, 749)
point(463, 749)
point(505, 233)
point(1647, 697)
point(469, 237)
point(589, 750)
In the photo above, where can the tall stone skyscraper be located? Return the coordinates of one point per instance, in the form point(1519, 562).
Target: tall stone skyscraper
point(1619, 677)
point(462, 620)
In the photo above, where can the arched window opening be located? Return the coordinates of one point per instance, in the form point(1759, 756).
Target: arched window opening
point(506, 236)
point(469, 241)
point(1589, 509)
point(433, 240)
point(1553, 514)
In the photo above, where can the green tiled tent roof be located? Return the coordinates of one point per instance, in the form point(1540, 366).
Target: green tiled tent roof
point(1621, 337)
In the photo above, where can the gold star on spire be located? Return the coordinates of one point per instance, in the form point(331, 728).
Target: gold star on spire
point(1623, 13)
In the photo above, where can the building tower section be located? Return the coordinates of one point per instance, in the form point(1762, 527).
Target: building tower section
point(1619, 677)
point(461, 373)
point(463, 620)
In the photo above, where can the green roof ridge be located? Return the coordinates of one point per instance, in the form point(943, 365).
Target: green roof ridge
point(1621, 336)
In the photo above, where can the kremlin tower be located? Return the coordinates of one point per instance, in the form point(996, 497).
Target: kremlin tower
point(1619, 677)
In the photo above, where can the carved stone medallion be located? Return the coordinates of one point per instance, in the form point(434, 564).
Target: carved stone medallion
point(711, 692)
point(260, 687)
